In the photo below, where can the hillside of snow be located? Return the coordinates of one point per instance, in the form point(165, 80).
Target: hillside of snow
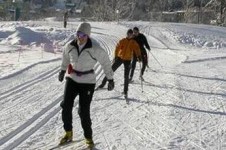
point(181, 104)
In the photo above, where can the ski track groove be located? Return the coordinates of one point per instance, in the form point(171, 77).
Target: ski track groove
point(141, 137)
point(22, 101)
point(28, 67)
point(107, 142)
point(132, 128)
point(178, 133)
point(192, 137)
point(220, 145)
point(167, 128)
point(27, 85)
point(213, 87)
point(102, 40)
point(181, 127)
point(22, 127)
point(27, 82)
point(147, 31)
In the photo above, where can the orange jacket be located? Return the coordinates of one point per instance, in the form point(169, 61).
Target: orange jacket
point(125, 49)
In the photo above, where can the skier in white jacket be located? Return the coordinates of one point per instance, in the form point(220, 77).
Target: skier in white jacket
point(79, 59)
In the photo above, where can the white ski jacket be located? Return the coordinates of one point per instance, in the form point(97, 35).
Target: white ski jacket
point(85, 60)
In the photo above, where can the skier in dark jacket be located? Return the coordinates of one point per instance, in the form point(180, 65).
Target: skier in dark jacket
point(142, 41)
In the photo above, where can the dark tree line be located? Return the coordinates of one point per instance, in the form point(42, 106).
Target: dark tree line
point(140, 9)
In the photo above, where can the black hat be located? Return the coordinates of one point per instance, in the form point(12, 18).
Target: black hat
point(130, 31)
point(136, 28)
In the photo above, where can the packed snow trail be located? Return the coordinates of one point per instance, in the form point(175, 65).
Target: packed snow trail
point(181, 106)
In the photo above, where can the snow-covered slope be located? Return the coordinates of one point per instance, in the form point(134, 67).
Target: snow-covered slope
point(180, 106)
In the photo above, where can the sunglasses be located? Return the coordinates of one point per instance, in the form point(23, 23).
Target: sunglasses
point(81, 34)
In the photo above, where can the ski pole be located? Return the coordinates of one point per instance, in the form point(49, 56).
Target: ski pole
point(156, 59)
point(148, 60)
point(141, 80)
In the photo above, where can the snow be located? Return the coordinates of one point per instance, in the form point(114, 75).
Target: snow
point(182, 105)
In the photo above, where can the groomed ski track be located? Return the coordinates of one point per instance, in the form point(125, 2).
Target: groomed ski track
point(171, 113)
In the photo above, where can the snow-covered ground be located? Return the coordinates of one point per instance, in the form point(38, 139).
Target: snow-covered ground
point(181, 106)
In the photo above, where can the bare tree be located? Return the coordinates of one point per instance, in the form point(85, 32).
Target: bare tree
point(222, 9)
point(106, 10)
point(126, 8)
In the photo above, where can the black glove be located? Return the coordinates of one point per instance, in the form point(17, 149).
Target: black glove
point(115, 59)
point(111, 85)
point(61, 75)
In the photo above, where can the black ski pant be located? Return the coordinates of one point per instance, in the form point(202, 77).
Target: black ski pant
point(117, 63)
point(65, 24)
point(144, 61)
point(85, 92)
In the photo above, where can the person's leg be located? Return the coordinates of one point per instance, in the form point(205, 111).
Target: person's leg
point(85, 97)
point(144, 63)
point(115, 66)
point(133, 66)
point(65, 24)
point(70, 92)
point(126, 76)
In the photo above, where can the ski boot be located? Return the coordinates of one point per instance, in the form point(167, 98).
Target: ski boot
point(126, 98)
point(100, 86)
point(67, 138)
point(89, 143)
point(141, 78)
point(130, 80)
point(125, 95)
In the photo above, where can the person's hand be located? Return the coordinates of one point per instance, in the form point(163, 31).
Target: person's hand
point(115, 59)
point(111, 85)
point(61, 75)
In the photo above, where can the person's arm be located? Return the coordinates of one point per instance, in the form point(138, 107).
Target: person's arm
point(117, 48)
point(64, 64)
point(136, 49)
point(65, 59)
point(146, 42)
point(103, 58)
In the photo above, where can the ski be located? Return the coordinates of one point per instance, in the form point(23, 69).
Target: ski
point(127, 101)
point(126, 98)
point(64, 145)
point(98, 88)
point(86, 147)
point(131, 81)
